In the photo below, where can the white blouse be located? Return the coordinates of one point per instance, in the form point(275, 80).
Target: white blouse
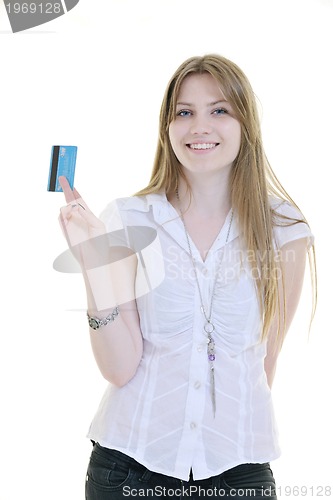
point(163, 417)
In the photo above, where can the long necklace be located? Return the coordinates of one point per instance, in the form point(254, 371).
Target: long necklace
point(209, 326)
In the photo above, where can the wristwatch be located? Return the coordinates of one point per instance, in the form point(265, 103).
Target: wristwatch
point(96, 323)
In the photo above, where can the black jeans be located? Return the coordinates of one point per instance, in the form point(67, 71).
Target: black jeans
point(112, 475)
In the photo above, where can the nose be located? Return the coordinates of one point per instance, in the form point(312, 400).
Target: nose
point(200, 125)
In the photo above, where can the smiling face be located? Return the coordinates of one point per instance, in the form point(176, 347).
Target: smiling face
point(205, 135)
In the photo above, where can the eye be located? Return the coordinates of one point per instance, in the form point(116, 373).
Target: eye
point(184, 112)
point(220, 111)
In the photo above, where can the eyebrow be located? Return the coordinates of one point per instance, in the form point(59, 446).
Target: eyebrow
point(221, 101)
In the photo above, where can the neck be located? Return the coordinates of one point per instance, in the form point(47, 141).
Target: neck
point(209, 196)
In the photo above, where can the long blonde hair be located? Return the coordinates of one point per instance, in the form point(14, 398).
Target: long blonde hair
point(252, 180)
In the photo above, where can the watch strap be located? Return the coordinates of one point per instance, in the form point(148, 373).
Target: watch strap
point(96, 323)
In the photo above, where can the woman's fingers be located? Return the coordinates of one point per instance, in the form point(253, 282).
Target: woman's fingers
point(69, 194)
point(63, 224)
point(85, 235)
point(80, 223)
point(76, 208)
point(76, 194)
point(72, 197)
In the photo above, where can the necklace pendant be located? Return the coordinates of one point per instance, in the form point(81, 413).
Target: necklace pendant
point(211, 349)
point(212, 390)
point(211, 359)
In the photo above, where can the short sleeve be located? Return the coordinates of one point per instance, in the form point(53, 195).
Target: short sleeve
point(286, 226)
point(114, 224)
point(111, 217)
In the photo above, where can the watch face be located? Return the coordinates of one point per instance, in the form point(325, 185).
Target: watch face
point(93, 323)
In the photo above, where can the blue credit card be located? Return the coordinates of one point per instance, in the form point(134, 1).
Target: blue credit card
point(63, 160)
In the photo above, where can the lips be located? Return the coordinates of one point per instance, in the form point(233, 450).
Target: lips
point(202, 145)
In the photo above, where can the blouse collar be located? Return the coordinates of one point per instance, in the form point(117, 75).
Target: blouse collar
point(166, 216)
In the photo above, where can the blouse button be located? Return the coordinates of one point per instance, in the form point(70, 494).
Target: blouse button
point(200, 348)
point(193, 425)
point(197, 384)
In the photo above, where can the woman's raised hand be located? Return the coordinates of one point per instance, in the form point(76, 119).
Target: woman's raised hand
point(84, 232)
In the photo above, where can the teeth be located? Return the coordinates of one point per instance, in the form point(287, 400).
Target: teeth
point(203, 146)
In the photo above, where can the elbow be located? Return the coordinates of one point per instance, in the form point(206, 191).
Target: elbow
point(115, 367)
point(119, 378)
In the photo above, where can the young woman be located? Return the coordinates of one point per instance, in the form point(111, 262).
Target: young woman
point(192, 285)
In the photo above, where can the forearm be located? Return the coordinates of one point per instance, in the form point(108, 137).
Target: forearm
point(111, 284)
point(117, 346)
point(293, 263)
point(109, 272)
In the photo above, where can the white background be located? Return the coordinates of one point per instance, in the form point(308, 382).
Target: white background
point(95, 78)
